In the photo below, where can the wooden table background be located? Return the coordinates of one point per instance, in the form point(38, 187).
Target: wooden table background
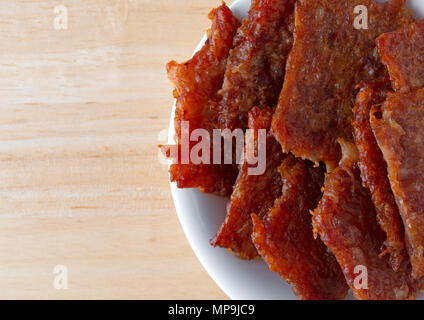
point(82, 110)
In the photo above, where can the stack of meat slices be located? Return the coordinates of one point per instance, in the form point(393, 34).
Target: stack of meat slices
point(339, 204)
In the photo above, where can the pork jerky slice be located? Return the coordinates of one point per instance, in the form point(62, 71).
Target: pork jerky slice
point(252, 193)
point(196, 83)
point(285, 241)
point(346, 221)
point(256, 65)
point(398, 128)
point(402, 52)
point(329, 58)
point(209, 178)
point(374, 171)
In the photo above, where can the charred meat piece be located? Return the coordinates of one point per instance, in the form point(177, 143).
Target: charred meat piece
point(256, 65)
point(284, 237)
point(374, 171)
point(252, 193)
point(196, 84)
point(398, 126)
point(346, 221)
point(402, 52)
point(329, 58)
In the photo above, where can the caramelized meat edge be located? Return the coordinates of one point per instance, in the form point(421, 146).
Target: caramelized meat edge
point(285, 240)
point(374, 171)
point(252, 193)
point(256, 65)
point(196, 84)
point(329, 58)
point(346, 221)
point(402, 52)
point(398, 128)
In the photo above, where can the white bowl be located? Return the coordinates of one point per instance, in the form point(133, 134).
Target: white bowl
point(201, 215)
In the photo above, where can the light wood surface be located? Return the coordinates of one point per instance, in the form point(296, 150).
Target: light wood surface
point(82, 111)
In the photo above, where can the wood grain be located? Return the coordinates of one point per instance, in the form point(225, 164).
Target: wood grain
point(81, 185)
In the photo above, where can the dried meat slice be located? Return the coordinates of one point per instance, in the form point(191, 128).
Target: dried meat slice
point(374, 171)
point(196, 84)
point(346, 221)
point(209, 178)
point(398, 128)
point(402, 52)
point(285, 240)
point(329, 57)
point(252, 193)
point(256, 65)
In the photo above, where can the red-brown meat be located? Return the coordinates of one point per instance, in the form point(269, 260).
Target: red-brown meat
point(329, 58)
point(252, 193)
point(374, 171)
point(256, 65)
point(398, 127)
point(285, 240)
point(196, 83)
point(346, 221)
point(402, 52)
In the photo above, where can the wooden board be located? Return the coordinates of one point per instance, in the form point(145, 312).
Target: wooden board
point(83, 109)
